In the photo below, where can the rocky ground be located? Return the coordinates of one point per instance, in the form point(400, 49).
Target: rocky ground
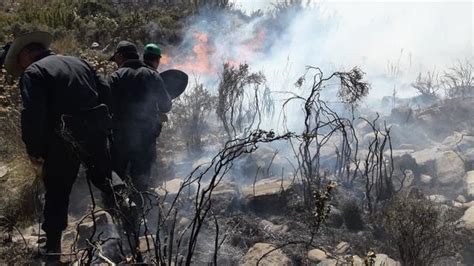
point(434, 147)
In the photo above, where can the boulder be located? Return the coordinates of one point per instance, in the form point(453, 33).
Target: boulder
point(276, 229)
point(468, 157)
point(3, 171)
point(357, 261)
point(146, 244)
point(267, 196)
point(449, 168)
point(438, 199)
point(459, 141)
point(226, 197)
point(171, 188)
point(342, 248)
point(468, 218)
point(264, 158)
point(384, 260)
point(255, 253)
point(469, 180)
point(461, 199)
point(468, 204)
point(316, 255)
point(426, 179)
point(425, 159)
point(329, 262)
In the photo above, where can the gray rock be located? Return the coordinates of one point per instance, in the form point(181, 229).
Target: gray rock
point(438, 198)
point(469, 181)
point(426, 179)
point(171, 188)
point(342, 248)
point(384, 260)
point(449, 168)
point(3, 170)
point(273, 228)
point(461, 199)
point(459, 141)
point(317, 255)
point(267, 196)
point(329, 262)
point(468, 218)
point(256, 252)
point(226, 197)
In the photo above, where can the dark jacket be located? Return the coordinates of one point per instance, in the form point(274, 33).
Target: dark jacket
point(138, 96)
point(50, 87)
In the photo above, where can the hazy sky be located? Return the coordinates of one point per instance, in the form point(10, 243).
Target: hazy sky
point(414, 36)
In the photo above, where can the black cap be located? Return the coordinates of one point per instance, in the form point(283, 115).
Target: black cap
point(3, 53)
point(124, 47)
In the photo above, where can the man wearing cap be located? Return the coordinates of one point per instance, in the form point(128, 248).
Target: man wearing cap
point(138, 96)
point(62, 101)
point(152, 55)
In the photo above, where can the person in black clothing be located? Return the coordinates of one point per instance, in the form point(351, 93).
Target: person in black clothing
point(138, 96)
point(63, 101)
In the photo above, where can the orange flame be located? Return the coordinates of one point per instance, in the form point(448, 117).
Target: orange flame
point(165, 59)
point(200, 63)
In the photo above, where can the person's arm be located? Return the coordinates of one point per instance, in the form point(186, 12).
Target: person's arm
point(103, 89)
point(34, 122)
point(114, 93)
point(102, 86)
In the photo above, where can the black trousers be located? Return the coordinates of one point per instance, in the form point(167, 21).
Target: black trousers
point(133, 155)
point(60, 171)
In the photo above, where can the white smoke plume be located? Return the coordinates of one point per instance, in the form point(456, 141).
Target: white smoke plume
point(391, 41)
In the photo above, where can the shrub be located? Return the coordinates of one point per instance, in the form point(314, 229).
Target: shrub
point(458, 81)
point(422, 231)
point(190, 114)
point(352, 216)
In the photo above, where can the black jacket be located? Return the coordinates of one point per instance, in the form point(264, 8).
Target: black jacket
point(138, 96)
point(50, 87)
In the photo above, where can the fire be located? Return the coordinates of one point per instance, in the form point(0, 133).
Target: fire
point(165, 59)
point(200, 60)
point(199, 63)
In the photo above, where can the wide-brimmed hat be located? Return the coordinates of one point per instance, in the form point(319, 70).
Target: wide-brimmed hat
point(11, 58)
point(124, 47)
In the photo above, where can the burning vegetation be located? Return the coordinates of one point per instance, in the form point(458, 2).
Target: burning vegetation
point(251, 174)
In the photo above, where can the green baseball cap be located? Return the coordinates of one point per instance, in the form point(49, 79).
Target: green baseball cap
point(152, 48)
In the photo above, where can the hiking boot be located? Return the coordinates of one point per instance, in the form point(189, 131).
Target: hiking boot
point(52, 248)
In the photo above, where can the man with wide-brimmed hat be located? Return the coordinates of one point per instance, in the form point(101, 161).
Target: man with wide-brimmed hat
point(64, 122)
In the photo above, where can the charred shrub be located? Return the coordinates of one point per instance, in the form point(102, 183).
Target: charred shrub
point(189, 116)
point(422, 231)
point(351, 214)
point(458, 81)
point(238, 99)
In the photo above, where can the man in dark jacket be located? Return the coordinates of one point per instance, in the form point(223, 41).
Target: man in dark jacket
point(61, 96)
point(138, 96)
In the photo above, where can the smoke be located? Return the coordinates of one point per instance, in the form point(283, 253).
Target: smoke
point(391, 41)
